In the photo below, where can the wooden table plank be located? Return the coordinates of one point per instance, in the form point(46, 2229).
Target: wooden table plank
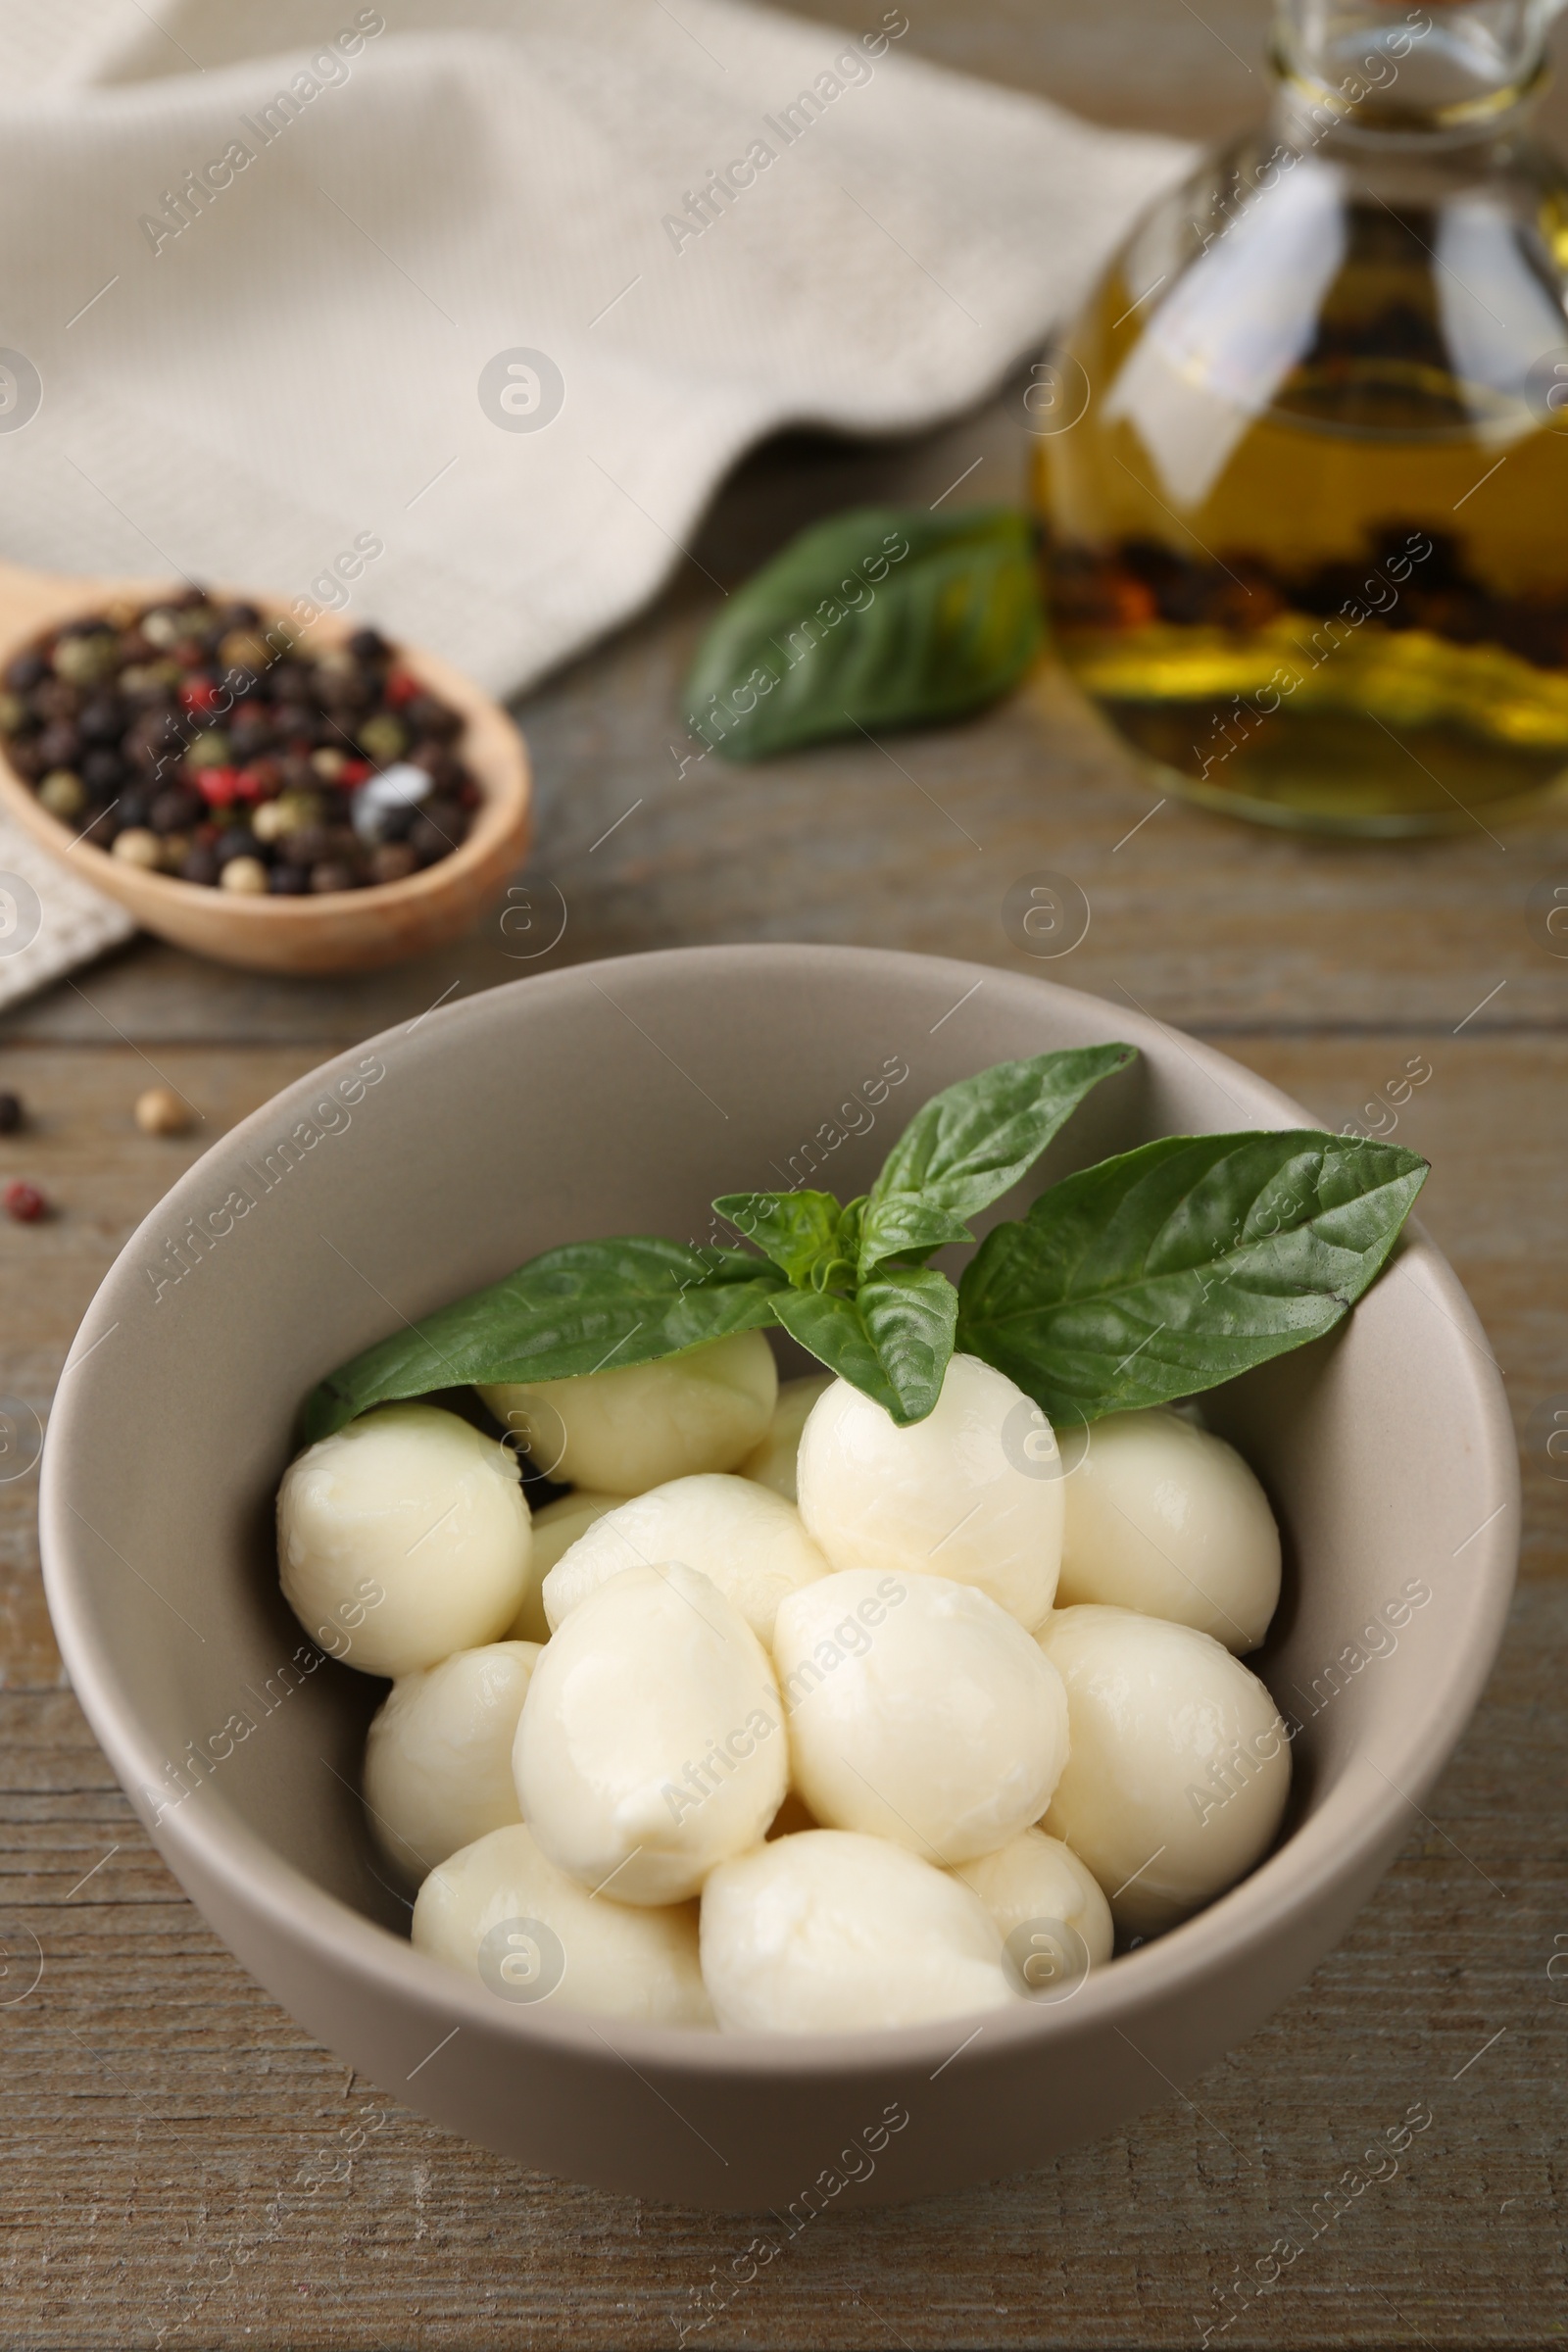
point(166, 2122)
point(169, 2167)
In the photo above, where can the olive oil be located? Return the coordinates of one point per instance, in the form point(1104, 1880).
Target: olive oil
point(1306, 543)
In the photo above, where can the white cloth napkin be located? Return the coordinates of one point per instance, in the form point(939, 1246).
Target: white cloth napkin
point(305, 369)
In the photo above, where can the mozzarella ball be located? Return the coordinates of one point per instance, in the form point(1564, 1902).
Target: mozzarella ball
point(438, 1755)
point(1165, 1518)
point(1034, 1876)
point(556, 1529)
point(633, 1426)
point(500, 1911)
point(409, 1530)
point(772, 1463)
point(744, 1538)
point(956, 1495)
point(1179, 1766)
point(651, 1744)
point(830, 1932)
point(919, 1712)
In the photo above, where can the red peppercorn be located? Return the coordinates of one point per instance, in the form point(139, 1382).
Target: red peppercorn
point(218, 785)
point(401, 688)
point(24, 1202)
point(352, 772)
point(198, 694)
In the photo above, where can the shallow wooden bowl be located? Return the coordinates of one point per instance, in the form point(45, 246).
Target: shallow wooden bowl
point(342, 930)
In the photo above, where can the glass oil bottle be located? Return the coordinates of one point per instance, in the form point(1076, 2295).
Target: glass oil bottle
point(1304, 477)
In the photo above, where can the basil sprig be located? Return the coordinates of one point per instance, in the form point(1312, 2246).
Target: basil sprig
point(886, 616)
point(861, 1297)
point(1157, 1274)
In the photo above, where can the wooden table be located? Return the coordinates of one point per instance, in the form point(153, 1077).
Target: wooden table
point(159, 2115)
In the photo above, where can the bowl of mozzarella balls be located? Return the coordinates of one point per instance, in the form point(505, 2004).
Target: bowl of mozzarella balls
point(876, 1741)
point(826, 1722)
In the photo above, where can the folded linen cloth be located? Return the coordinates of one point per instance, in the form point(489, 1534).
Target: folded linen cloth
point(498, 288)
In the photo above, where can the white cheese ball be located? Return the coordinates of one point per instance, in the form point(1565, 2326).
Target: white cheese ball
point(955, 1496)
point(772, 1463)
point(556, 1529)
point(830, 1932)
point(633, 1426)
point(652, 1744)
point(1034, 1876)
point(1165, 1518)
point(744, 1538)
point(415, 1519)
point(919, 1712)
point(1179, 1766)
point(500, 1911)
point(438, 1755)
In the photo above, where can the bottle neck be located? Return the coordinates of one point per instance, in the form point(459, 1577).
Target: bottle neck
point(1434, 71)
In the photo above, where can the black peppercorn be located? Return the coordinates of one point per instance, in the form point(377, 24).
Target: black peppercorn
point(103, 772)
point(60, 744)
point(249, 734)
point(177, 809)
point(103, 720)
point(306, 847)
point(428, 719)
point(429, 841)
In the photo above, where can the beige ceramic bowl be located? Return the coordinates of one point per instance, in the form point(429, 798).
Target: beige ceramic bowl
point(343, 930)
point(619, 1097)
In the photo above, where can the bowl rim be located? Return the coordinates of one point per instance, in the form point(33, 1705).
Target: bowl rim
point(1344, 1837)
point(505, 787)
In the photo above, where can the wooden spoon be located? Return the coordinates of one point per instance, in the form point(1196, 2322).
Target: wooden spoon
point(339, 931)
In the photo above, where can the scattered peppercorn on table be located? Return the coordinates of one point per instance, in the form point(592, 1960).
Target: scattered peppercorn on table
point(183, 2166)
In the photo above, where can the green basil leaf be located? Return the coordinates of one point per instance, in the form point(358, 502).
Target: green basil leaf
point(798, 1231)
point(892, 1339)
point(971, 1142)
point(906, 1225)
point(851, 1226)
point(887, 616)
point(1176, 1266)
point(573, 1310)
